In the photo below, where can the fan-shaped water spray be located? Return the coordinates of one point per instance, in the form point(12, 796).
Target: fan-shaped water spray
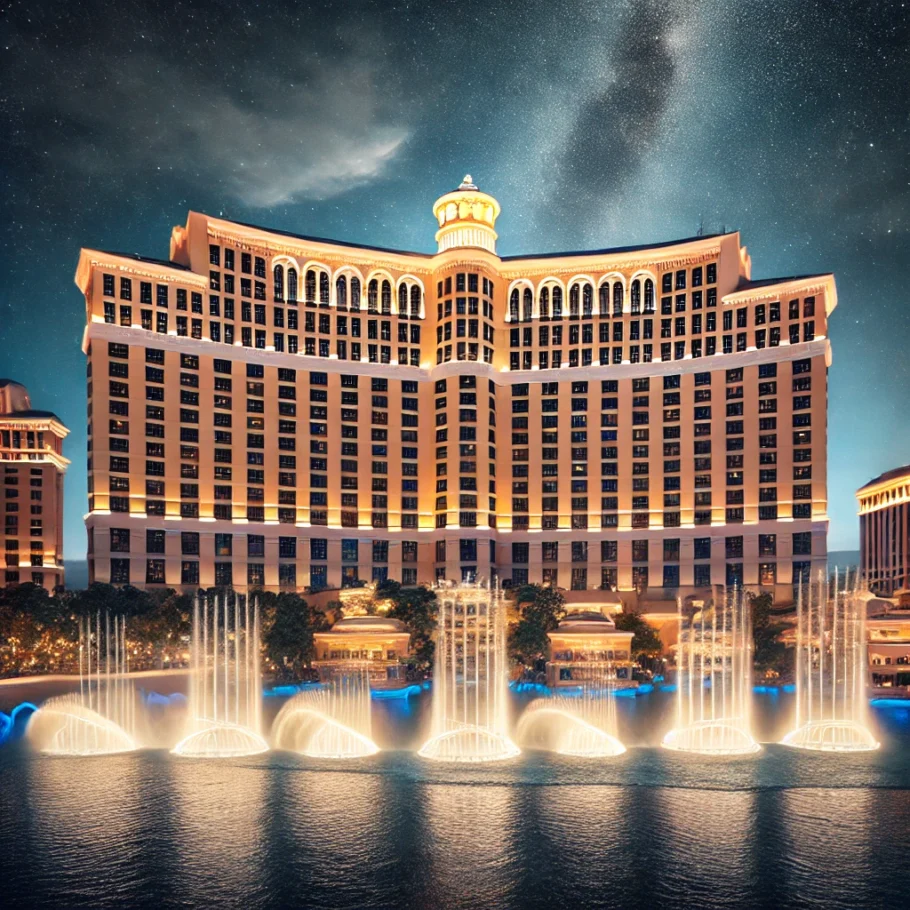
point(714, 677)
point(470, 685)
point(101, 718)
point(831, 668)
point(332, 721)
point(225, 704)
point(583, 726)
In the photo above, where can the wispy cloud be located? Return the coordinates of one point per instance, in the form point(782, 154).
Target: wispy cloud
point(314, 118)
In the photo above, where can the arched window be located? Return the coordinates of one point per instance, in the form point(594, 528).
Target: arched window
point(386, 297)
point(278, 273)
point(373, 296)
point(355, 293)
point(587, 300)
point(310, 289)
point(605, 299)
point(617, 299)
point(545, 303)
point(649, 296)
point(573, 299)
point(402, 300)
point(292, 285)
point(341, 292)
point(636, 297)
point(513, 306)
point(557, 302)
point(324, 288)
point(415, 300)
point(528, 305)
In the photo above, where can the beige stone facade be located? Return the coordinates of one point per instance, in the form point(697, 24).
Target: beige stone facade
point(31, 489)
point(884, 531)
point(284, 411)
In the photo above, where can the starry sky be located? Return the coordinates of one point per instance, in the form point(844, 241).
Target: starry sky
point(595, 124)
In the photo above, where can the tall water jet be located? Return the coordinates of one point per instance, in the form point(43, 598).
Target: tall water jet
point(714, 677)
point(332, 721)
point(225, 700)
point(101, 718)
point(583, 726)
point(470, 684)
point(831, 668)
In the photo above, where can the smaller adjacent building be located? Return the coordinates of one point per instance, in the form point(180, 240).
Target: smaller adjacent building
point(888, 637)
point(31, 492)
point(585, 647)
point(884, 531)
point(380, 643)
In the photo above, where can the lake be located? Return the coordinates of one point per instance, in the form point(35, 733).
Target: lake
point(782, 828)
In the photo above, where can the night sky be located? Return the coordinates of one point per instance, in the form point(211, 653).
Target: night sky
point(594, 124)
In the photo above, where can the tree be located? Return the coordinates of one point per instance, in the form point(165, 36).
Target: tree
point(540, 609)
point(417, 609)
point(769, 652)
point(289, 624)
point(645, 640)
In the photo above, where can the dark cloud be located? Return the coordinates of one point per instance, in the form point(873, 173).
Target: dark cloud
point(316, 115)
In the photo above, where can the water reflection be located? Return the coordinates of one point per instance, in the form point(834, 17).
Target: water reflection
point(334, 830)
point(829, 838)
point(220, 816)
point(80, 813)
point(473, 835)
point(704, 839)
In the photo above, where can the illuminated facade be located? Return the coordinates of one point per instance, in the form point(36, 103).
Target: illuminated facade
point(884, 531)
point(274, 410)
point(376, 642)
point(586, 647)
point(31, 495)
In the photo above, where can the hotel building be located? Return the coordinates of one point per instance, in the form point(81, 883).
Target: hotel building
point(269, 409)
point(31, 494)
point(884, 531)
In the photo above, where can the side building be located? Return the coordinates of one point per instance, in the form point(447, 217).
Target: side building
point(884, 531)
point(31, 495)
point(275, 410)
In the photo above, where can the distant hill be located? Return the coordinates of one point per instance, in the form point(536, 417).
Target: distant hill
point(76, 574)
point(843, 559)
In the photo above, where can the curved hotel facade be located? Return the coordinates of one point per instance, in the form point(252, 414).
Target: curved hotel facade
point(267, 409)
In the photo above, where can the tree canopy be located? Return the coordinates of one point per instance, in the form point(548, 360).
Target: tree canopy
point(645, 640)
point(539, 611)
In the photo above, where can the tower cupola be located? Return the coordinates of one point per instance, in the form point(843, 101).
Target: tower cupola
point(467, 218)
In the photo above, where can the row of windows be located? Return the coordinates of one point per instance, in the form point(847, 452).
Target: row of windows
point(318, 548)
point(635, 353)
point(155, 573)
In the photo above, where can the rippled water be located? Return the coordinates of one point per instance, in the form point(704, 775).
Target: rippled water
point(650, 828)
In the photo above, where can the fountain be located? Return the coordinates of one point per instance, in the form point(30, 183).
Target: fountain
point(831, 669)
point(714, 678)
point(101, 718)
point(470, 685)
point(332, 721)
point(225, 703)
point(583, 726)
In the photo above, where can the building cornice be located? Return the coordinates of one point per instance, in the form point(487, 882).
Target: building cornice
point(884, 495)
point(41, 424)
point(815, 284)
point(91, 259)
point(657, 258)
point(263, 242)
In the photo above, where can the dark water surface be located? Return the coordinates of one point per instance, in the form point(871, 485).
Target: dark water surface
point(649, 829)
